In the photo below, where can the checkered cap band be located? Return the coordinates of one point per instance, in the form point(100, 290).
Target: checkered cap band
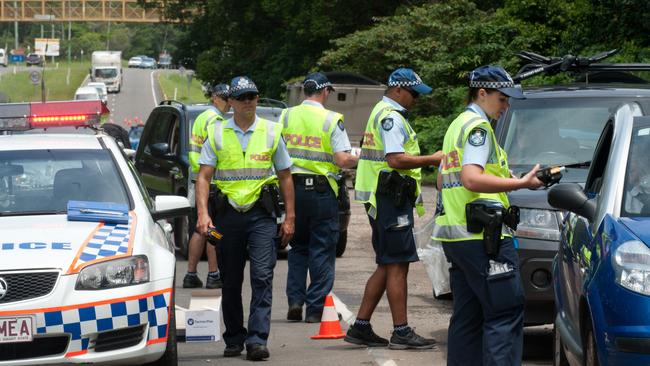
point(243, 84)
point(404, 83)
point(491, 84)
point(317, 85)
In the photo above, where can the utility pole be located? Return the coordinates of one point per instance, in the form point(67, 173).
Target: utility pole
point(15, 25)
point(69, 46)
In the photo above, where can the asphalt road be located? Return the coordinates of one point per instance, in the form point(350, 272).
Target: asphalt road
point(289, 343)
point(139, 95)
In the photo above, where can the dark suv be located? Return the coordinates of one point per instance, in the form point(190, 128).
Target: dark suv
point(162, 159)
point(557, 125)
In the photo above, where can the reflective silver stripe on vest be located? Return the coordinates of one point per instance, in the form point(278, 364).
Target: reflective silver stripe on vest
point(372, 155)
point(328, 120)
point(270, 135)
point(419, 200)
point(218, 135)
point(451, 232)
point(242, 174)
point(207, 123)
point(380, 113)
point(372, 211)
point(362, 195)
point(451, 180)
point(310, 155)
point(195, 148)
point(285, 119)
point(460, 142)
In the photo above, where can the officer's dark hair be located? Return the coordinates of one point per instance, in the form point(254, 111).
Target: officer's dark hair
point(472, 94)
point(310, 92)
point(389, 89)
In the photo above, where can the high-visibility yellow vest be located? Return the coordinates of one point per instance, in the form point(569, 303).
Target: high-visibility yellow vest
point(198, 136)
point(373, 160)
point(240, 174)
point(308, 134)
point(452, 226)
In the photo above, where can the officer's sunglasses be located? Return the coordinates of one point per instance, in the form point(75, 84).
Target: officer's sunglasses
point(246, 96)
point(413, 93)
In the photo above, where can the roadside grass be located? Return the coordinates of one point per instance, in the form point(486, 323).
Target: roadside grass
point(170, 80)
point(58, 86)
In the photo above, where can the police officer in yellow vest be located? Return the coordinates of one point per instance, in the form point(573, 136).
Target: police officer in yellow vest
point(219, 98)
point(246, 156)
point(319, 147)
point(486, 327)
point(388, 183)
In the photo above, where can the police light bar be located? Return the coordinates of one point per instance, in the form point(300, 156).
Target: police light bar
point(25, 116)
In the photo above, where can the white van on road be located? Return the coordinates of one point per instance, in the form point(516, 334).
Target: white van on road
point(3, 57)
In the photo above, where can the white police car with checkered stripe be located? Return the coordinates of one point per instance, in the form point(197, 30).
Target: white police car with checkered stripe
point(86, 268)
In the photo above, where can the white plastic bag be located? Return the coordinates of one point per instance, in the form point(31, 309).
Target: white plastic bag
point(433, 257)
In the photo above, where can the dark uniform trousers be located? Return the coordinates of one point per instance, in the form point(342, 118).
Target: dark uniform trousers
point(251, 231)
point(313, 248)
point(486, 327)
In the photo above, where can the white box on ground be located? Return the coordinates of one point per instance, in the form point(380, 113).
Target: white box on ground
point(202, 325)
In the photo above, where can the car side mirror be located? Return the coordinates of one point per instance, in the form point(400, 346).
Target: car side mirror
point(571, 197)
point(160, 150)
point(169, 207)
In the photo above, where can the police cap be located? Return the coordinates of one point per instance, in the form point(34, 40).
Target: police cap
point(241, 85)
point(220, 90)
point(494, 77)
point(407, 78)
point(316, 81)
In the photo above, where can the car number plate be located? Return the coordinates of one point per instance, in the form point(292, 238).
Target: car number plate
point(16, 329)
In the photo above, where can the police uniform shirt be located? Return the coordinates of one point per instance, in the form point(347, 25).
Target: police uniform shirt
point(339, 139)
point(281, 158)
point(393, 131)
point(478, 146)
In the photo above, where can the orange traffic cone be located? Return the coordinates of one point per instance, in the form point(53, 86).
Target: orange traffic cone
point(330, 328)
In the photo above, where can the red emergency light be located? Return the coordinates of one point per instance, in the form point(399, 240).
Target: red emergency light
point(77, 113)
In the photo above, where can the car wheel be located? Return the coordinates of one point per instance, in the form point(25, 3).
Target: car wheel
point(342, 244)
point(170, 357)
point(181, 235)
point(591, 355)
point(559, 357)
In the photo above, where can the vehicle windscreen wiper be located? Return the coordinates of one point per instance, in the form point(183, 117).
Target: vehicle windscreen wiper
point(30, 213)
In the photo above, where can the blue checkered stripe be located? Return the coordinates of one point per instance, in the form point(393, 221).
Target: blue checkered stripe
point(85, 322)
point(110, 240)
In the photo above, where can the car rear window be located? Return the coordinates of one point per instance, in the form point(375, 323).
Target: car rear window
point(636, 191)
point(555, 131)
point(43, 181)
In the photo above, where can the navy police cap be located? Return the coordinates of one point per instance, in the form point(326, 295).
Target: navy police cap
point(241, 85)
point(317, 81)
point(221, 90)
point(405, 77)
point(494, 77)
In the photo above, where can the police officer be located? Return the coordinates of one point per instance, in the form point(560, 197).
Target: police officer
point(319, 147)
point(219, 98)
point(246, 152)
point(486, 327)
point(388, 183)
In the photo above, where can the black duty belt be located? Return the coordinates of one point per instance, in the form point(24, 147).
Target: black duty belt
point(312, 182)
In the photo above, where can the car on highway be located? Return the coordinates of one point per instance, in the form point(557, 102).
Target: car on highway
point(86, 93)
point(33, 59)
point(601, 273)
point(148, 63)
point(164, 61)
point(87, 267)
point(135, 61)
point(162, 159)
point(101, 90)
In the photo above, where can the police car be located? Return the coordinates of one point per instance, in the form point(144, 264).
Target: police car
point(86, 267)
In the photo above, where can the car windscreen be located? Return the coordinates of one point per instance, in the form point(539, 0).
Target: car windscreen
point(86, 96)
point(105, 73)
point(555, 131)
point(43, 181)
point(636, 191)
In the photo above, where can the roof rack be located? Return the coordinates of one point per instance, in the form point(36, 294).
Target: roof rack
point(539, 64)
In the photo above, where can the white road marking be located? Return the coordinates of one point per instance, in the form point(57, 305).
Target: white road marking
point(153, 91)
